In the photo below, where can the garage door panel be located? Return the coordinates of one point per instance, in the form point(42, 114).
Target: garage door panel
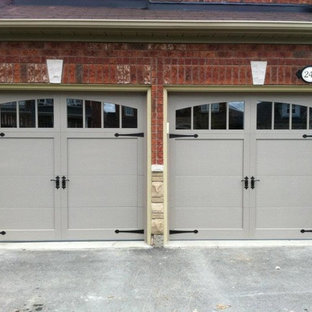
point(284, 157)
point(141, 190)
point(284, 191)
point(208, 157)
point(27, 205)
point(27, 157)
point(27, 219)
point(219, 217)
point(102, 191)
point(204, 191)
point(284, 217)
point(103, 217)
point(102, 157)
point(27, 192)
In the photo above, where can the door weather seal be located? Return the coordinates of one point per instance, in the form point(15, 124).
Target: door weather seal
point(130, 231)
point(305, 231)
point(182, 232)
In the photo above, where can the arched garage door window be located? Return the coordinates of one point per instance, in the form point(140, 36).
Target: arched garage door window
point(214, 116)
point(96, 114)
point(37, 113)
point(278, 116)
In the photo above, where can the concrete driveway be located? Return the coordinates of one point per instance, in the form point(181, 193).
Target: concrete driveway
point(262, 279)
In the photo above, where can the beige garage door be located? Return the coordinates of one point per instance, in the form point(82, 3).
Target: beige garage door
point(72, 166)
point(240, 166)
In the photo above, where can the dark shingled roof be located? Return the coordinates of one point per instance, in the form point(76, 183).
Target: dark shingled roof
point(147, 10)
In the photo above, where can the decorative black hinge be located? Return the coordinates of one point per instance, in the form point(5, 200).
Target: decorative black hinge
point(130, 231)
point(307, 136)
point(173, 136)
point(140, 134)
point(305, 231)
point(2, 134)
point(182, 232)
point(2, 232)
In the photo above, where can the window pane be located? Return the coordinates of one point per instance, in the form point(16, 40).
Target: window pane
point(129, 117)
point(74, 113)
point(299, 117)
point(281, 115)
point(236, 115)
point(93, 114)
point(183, 118)
point(111, 115)
point(8, 115)
point(27, 114)
point(45, 113)
point(264, 115)
point(218, 116)
point(201, 117)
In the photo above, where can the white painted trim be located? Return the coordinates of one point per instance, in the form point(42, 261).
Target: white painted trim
point(73, 245)
point(238, 243)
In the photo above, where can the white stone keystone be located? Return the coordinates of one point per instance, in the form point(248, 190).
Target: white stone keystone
point(55, 70)
point(258, 70)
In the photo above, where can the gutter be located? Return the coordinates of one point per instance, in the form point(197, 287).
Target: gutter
point(155, 24)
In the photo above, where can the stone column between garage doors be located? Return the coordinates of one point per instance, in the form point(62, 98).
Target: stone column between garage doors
point(157, 209)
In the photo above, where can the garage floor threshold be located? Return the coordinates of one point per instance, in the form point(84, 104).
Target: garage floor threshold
point(239, 243)
point(72, 245)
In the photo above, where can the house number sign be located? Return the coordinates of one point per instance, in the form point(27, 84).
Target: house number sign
point(305, 74)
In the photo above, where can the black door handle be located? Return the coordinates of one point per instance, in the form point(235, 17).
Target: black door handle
point(57, 182)
point(252, 182)
point(64, 180)
point(246, 182)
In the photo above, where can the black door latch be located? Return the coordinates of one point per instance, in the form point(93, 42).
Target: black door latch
point(252, 182)
point(245, 180)
point(2, 232)
point(57, 182)
point(64, 180)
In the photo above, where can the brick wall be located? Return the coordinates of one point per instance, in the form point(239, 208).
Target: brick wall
point(152, 64)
